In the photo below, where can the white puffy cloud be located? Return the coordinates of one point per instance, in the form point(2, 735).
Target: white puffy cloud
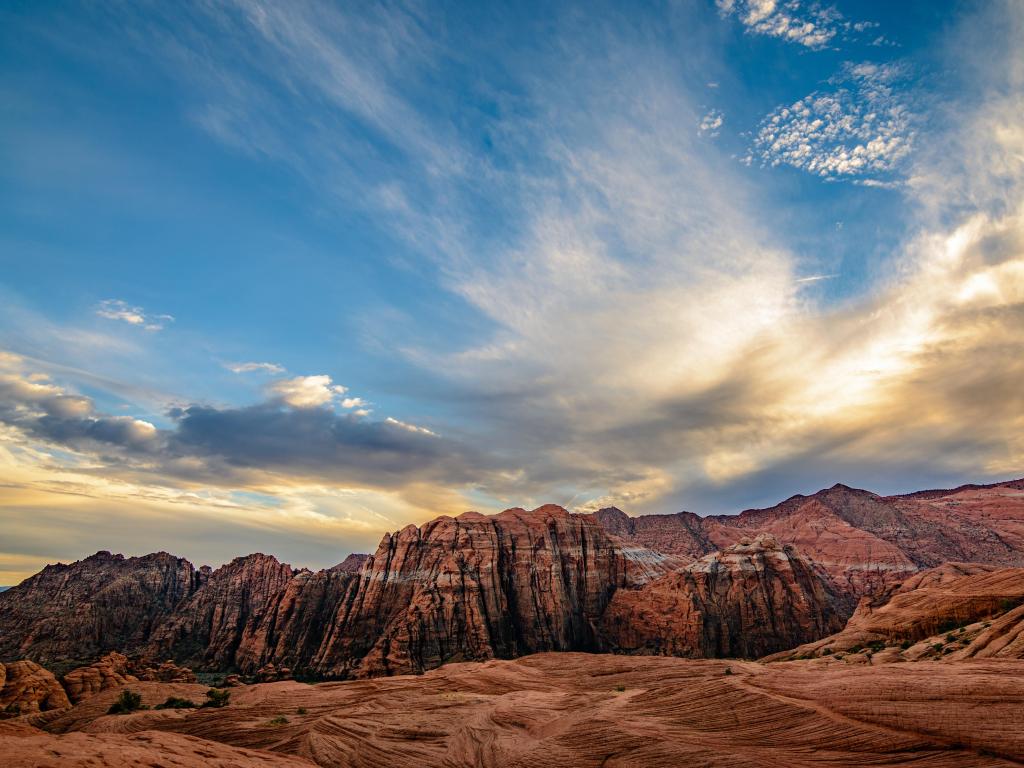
point(859, 128)
point(307, 391)
point(809, 25)
point(711, 123)
point(116, 309)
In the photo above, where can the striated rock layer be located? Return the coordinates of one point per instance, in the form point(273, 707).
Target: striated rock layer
point(586, 711)
point(749, 600)
point(866, 543)
point(954, 611)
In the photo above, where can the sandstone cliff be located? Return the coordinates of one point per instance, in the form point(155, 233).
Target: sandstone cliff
point(751, 599)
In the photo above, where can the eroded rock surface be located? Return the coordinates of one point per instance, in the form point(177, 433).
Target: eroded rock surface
point(751, 599)
point(27, 688)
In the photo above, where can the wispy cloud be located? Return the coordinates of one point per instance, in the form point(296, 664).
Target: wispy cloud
point(254, 367)
point(116, 309)
point(815, 278)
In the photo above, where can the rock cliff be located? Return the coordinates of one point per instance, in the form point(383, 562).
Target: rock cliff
point(751, 599)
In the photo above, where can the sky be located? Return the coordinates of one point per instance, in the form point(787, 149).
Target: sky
point(284, 276)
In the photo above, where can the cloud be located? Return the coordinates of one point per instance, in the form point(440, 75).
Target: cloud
point(115, 309)
point(254, 367)
point(711, 123)
point(862, 127)
point(809, 25)
point(814, 278)
point(307, 391)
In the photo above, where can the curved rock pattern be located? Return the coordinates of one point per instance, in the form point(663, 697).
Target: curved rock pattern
point(26, 688)
point(572, 709)
point(751, 599)
point(959, 610)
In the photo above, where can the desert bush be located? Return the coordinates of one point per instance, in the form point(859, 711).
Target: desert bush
point(301, 711)
point(174, 702)
point(216, 698)
point(620, 687)
point(279, 720)
point(127, 701)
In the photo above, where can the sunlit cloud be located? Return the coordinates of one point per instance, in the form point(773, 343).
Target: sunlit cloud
point(254, 367)
point(115, 309)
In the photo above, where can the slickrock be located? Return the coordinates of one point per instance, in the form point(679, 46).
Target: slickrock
point(30, 748)
point(753, 598)
point(584, 710)
point(964, 609)
point(26, 688)
point(115, 670)
point(102, 603)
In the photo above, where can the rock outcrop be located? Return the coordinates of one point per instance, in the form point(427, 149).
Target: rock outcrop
point(957, 610)
point(103, 603)
point(26, 688)
point(866, 543)
point(208, 628)
point(751, 599)
point(115, 670)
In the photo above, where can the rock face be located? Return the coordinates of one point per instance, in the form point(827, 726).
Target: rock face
point(957, 610)
point(115, 670)
point(867, 543)
point(222, 615)
point(103, 603)
point(480, 587)
point(751, 599)
point(27, 688)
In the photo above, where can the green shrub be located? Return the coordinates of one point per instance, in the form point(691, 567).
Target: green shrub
point(127, 701)
point(301, 711)
point(279, 720)
point(216, 698)
point(826, 651)
point(620, 687)
point(856, 649)
point(937, 647)
point(905, 644)
point(173, 702)
point(728, 670)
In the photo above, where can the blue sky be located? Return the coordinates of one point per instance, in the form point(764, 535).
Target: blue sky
point(284, 276)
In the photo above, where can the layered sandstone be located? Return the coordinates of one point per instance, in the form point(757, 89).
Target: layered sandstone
point(102, 603)
point(581, 710)
point(27, 688)
point(115, 670)
point(961, 610)
point(866, 543)
point(751, 599)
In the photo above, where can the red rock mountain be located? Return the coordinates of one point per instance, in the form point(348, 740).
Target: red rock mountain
point(751, 599)
point(480, 587)
point(103, 603)
point(865, 542)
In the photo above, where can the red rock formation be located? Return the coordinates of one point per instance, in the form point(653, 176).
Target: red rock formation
point(752, 599)
point(26, 688)
point(579, 710)
point(115, 670)
point(964, 609)
point(479, 587)
point(221, 616)
point(351, 564)
point(103, 603)
point(867, 543)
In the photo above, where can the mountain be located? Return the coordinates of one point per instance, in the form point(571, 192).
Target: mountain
point(864, 541)
point(477, 587)
point(749, 600)
point(953, 611)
